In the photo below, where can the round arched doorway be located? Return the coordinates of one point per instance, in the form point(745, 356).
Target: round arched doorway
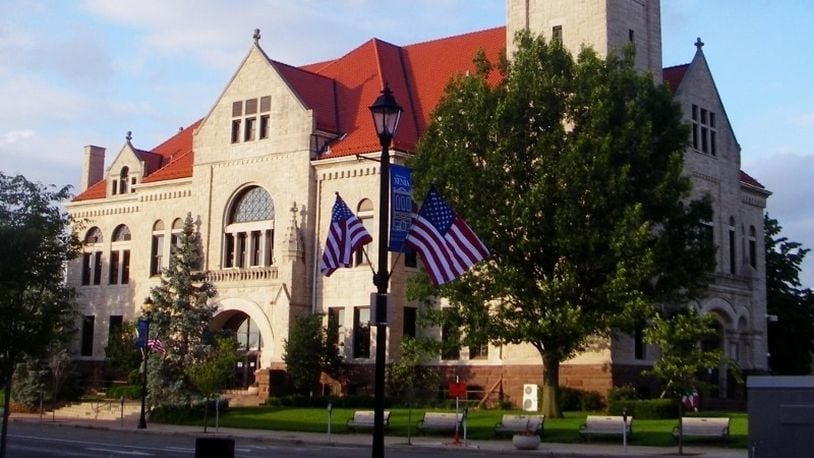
point(250, 343)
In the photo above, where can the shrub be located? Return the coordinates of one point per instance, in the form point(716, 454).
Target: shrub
point(622, 393)
point(573, 399)
point(645, 409)
point(126, 391)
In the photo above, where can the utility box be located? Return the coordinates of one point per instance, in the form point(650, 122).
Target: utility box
point(781, 415)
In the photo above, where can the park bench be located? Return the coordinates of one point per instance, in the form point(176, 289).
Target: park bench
point(363, 419)
point(605, 426)
point(704, 427)
point(440, 421)
point(519, 424)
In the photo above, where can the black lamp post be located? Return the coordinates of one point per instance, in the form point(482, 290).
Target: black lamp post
point(146, 310)
point(386, 113)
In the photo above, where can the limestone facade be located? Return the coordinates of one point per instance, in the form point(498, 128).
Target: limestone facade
point(288, 139)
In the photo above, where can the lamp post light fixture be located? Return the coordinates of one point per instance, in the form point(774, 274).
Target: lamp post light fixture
point(386, 113)
point(146, 310)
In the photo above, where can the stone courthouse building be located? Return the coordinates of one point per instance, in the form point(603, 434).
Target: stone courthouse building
point(259, 172)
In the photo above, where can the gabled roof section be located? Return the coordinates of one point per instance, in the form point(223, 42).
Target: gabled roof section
point(315, 91)
point(417, 74)
point(748, 180)
point(673, 76)
point(170, 160)
point(96, 191)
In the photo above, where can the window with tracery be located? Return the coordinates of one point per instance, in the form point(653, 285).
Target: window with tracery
point(92, 257)
point(120, 256)
point(249, 234)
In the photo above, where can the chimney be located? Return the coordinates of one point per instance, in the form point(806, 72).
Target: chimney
point(93, 166)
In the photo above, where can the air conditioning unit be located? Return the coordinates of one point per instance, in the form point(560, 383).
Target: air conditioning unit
point(530, 398)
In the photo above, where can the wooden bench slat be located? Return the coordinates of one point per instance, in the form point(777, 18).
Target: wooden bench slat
point(605, 425)
point(703, 427)
point(513, 424)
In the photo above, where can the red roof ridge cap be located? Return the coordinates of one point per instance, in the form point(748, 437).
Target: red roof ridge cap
point(432, 40)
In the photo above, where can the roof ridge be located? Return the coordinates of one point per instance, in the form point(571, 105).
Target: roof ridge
point(448, 37)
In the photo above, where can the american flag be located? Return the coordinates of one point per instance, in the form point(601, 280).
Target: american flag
point(156, 346)
point(345, 235)
point(448, 246)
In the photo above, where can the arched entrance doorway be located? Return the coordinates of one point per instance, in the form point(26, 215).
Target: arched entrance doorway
point(252, 330)
point(250, 341)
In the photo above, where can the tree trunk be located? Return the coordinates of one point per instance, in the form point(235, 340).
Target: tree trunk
point(6, 405)
point(551, 384)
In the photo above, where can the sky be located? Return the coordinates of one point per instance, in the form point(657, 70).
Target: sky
point(74, 73)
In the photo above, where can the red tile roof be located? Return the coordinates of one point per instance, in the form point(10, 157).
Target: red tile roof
point(747, 179)
point(674, 75)
point(340, 90)
point(169, 160)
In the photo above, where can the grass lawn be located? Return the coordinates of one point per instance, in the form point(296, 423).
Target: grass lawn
point(480, 424)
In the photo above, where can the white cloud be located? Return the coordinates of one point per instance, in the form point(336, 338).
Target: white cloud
point(804, 120)
point(15, 136)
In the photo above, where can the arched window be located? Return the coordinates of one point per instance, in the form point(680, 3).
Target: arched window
point(120, 256)
point(157, 249)
point(249, 234)
point(123, 179)
point(92, 257)
point(364, 211)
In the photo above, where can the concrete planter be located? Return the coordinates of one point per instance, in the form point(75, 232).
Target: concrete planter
point(526, 442)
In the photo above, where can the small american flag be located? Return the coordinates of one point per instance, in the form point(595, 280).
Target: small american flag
point(156, 346)
point(346, 234)
point(448, 246)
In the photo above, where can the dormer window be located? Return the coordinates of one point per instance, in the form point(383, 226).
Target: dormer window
point(123, 180)
point(250, 119)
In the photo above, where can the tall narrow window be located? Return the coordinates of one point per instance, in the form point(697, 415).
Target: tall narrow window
point(157, 248)
point(361, 332)
point(336, 324)
point(114, 326)
point(410, 319)
point(638, 343)
point(450, 343)
point(249, 235)
point(87, 335)
point(733, 265)
point(92, 257)
point(752, 247)
point(704, 133)
point(364, 211)
point(556, 33)
point(631, 36)
point(120, 256)
point(123, 180)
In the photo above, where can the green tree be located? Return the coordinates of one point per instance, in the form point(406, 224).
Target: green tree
point(123, 357)
point(587, 215)
point(211, 373)
point(408, 379)
point(682, 358)
point(307, 354)
point(180, 315)
point(791, 336)
point(35, 303)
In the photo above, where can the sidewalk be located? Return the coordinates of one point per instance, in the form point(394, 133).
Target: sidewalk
point(500, 447)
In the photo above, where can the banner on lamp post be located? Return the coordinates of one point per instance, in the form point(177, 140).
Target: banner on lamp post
point(401, 206)
point(141, 331)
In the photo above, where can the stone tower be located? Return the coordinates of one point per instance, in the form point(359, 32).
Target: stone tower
point(602, 24)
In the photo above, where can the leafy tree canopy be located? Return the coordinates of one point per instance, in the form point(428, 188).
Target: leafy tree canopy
point(791, 337)
point(35, 243)
point(307, 353)
point(570, 171)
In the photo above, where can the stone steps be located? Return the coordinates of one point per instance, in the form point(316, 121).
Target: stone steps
point(111, 410)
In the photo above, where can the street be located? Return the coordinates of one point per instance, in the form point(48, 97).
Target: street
point(39, 440)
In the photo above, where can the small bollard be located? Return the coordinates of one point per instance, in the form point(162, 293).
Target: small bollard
point(214, 447)
point(330, 410)
point(624, 428)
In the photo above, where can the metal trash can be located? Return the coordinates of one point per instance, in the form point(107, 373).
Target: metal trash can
point(214, 447)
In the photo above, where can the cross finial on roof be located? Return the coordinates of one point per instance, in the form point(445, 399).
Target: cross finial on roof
point(699, 44)
point(129, 136)
point(256, 36)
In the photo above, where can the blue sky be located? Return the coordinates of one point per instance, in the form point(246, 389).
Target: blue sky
point(74, 73)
